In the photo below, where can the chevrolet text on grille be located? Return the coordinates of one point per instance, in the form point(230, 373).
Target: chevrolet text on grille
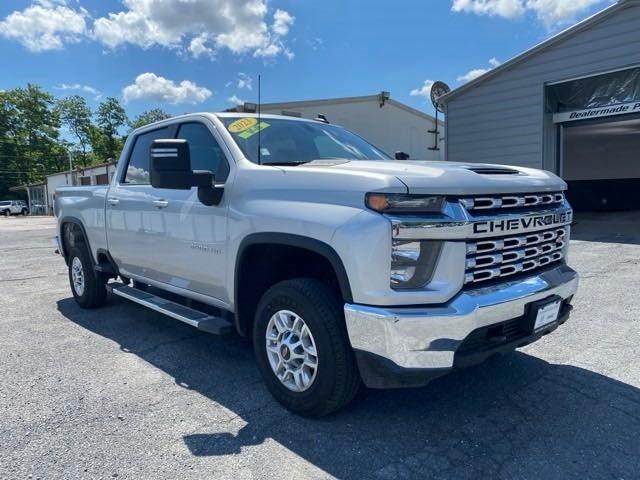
point(524, 223)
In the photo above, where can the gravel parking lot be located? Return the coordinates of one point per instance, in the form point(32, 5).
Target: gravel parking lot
point(125, 392)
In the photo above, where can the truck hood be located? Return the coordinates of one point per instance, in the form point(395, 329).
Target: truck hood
point(453, 178)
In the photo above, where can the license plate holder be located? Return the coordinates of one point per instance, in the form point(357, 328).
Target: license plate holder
point(544, 313)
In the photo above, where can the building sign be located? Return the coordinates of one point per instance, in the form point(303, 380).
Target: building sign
point(598, 112)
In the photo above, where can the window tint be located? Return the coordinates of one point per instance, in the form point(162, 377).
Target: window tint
point(138, 168)
point(205, 152)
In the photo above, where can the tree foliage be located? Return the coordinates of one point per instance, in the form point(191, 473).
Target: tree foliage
point(110, 117)
point(147, 117)
point(75, 114)
point(40, 134)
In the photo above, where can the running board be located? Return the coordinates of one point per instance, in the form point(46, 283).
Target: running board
point(195, 318)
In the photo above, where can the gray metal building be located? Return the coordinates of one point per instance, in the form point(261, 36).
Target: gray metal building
point(570, 105)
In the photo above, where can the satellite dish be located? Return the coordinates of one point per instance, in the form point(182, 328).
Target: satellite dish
point(438, 89)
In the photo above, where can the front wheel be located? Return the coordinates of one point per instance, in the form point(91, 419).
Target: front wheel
point(7, 213)
point(88, 286)
point(302, 349)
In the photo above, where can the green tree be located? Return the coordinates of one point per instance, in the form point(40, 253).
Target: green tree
point(110, 118)
point(147, 117)
point(29, 128)
point(9, 145)
point(75, 114)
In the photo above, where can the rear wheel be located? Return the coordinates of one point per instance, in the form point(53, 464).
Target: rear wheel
point(24, 212)
point(302, 349)
point(88, 286)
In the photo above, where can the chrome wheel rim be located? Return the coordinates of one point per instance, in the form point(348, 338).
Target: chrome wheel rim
point(77, 276)
point(291, 349)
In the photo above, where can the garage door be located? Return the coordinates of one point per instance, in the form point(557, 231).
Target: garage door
point(600, 162)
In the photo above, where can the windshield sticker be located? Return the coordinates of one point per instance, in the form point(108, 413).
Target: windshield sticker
point(265, 151)
point(241, 125)
point(251, 131)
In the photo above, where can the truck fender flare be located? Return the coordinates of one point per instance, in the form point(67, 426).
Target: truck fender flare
point(299, 241)
point(109, 267)
point(78, 222)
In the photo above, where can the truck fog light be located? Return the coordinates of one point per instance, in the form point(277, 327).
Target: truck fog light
point(402, 275)
point(413, 263)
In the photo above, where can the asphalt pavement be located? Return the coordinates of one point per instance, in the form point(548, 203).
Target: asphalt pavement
point(124, 392)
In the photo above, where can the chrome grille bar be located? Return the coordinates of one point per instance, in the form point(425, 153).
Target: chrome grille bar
point(501, 257)
point(512, 201)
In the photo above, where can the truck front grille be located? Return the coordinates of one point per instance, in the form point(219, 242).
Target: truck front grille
point(493, 258)
point(520, 200)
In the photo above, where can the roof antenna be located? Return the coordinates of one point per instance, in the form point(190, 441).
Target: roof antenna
point(259, 127)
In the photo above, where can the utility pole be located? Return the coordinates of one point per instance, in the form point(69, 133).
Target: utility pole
point(70, 168)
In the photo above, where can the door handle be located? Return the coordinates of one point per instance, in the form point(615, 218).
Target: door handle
point(113, 201)
point(160, 203)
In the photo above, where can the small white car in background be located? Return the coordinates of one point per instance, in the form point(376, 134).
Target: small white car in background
point(13, 207)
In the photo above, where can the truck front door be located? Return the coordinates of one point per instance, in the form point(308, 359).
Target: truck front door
point(193, 236)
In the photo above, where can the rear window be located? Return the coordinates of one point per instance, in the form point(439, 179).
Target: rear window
point(138, 167)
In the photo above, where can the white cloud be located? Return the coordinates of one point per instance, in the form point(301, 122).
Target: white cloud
point(198, 47)
point(282, 20)
point(477, 72)
point(151, 87)
point(200, 26)
point(423, 91)
point(549, 12)
point(80, 88)
point(45, 25)
point(553, 12)
point(235, 100)
point(245, 81)
point(502, 8)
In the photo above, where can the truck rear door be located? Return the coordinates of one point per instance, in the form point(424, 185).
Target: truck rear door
point(129, 212)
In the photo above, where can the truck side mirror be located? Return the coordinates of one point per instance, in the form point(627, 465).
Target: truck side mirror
point(402, 155)
point(170, 167)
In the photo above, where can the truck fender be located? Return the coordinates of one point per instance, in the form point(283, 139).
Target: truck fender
point(299, 241)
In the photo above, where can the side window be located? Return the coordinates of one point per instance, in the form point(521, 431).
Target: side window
point(205, 152)
point(138, 167)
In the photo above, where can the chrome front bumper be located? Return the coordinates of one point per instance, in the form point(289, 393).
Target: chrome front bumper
point(426, 338)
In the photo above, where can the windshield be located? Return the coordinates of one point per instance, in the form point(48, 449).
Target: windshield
point(5, 203)
point(292, 142)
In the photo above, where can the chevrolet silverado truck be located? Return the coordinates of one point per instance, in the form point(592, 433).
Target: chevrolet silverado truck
point(343, 266)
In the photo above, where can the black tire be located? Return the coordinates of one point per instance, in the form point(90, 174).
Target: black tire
point(95, 290)
point(337, 378)
point(7, 213)
point(24, 212)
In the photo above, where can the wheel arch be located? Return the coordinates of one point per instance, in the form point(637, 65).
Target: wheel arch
point(243, 313)
point(69, 237)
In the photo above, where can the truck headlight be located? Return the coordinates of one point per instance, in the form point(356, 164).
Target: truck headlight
point(413, 263)
point(403, 203)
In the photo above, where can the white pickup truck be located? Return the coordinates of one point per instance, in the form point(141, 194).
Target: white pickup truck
point(343, 265)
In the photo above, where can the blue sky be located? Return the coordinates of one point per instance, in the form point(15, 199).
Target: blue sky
point(194, 55)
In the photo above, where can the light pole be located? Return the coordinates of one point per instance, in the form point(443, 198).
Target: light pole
point(70, 167)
